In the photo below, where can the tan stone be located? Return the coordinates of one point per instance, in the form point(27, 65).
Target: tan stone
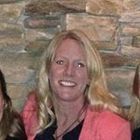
point(12, 44)
point(45, 7)
point(105, 45)
point(131, 52)
point(97, 28)
point(18, 68)
point(131, 30)
point(111, 59)
point(10, 28)
point(73, 4)
point(12, 11)
point(37, 46)
point(105, 7)
point(8, 1)
point(37, 34)
point(11, 37)
point(130, 16)
point(132, 5)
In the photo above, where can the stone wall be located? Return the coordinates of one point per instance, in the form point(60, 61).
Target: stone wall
point(27, 26)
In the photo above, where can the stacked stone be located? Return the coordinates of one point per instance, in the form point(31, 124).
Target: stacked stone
point(26, 28)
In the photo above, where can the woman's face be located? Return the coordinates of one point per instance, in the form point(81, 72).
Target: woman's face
point(68, 74)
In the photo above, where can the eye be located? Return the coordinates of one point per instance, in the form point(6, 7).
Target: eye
point(80, 64)
point(59, 62)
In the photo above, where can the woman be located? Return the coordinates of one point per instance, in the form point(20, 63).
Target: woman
point(11, 125)
point(73, 102)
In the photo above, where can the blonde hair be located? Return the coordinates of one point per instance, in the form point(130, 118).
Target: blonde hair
point(97, 94)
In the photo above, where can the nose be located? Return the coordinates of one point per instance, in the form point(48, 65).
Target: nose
point(69, 70)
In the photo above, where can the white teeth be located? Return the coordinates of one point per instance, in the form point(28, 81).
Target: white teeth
point(67, 83)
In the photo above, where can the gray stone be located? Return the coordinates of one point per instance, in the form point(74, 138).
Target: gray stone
point(120, 83)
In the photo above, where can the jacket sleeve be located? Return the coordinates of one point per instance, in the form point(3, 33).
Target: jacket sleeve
point(29, 116)
point(124, 133)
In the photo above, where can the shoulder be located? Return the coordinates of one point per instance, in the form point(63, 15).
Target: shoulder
point(31, 102)
point(32, 96)
point(108, 119)
point(29, 115)
point(107, 125)
point(30, 106)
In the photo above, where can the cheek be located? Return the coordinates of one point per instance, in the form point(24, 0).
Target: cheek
point(53, 77)
point(52, 74)
point(55, 72)
point(84, 78)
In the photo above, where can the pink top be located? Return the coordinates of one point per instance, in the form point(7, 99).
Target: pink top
point(29, 115)
point(103, 125)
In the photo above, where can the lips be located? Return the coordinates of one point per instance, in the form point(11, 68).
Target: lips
point(67, 83)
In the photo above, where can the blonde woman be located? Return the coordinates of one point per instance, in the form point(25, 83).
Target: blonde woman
point(73, 102)
point(11, 125)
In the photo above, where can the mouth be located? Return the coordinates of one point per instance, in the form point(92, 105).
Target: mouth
point(67, 83)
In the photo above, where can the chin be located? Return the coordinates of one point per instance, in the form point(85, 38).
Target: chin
point(67, 98)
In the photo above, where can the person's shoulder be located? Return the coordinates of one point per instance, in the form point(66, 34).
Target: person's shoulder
point(30, 106)
point(31, 98)
point(105, 115)
point(32, 95)
point(107, 118)
point(29, 114)
point(113, 120)
point(110, 122)
point(112, 117)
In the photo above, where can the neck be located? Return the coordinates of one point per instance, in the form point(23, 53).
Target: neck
point(68, 109)
point(68, 117)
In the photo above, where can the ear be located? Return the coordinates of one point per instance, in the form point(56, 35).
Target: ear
point(136, 83)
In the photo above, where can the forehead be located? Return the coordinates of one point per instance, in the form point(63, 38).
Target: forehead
point(70, 45)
